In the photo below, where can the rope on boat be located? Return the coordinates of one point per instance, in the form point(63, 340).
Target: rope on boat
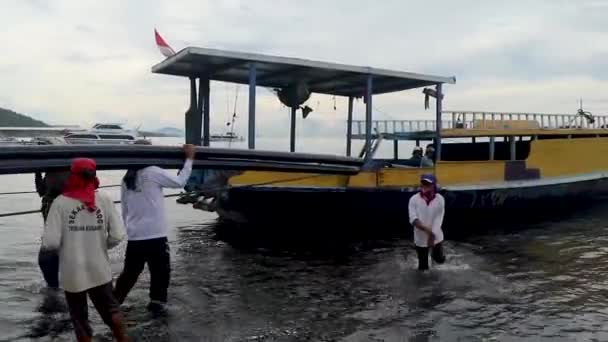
point(17, 213)
point(34, 192)
point(217, 188)
point(28, 212)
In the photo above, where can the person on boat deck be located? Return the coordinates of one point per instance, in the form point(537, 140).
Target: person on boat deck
point(82, 224)
point(144, 215)
point(426, 210)
point(429, 155)
point(417, 154)
point(48, 188)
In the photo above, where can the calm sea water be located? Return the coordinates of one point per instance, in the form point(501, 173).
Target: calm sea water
point(533, 282)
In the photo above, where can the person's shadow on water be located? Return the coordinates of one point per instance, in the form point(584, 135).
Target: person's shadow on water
point(54, 319)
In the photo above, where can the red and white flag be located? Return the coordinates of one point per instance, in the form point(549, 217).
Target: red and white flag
point(164, 48)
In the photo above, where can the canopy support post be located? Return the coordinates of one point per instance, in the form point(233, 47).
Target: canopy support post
point(439, 99)
point(396, 149)
point(368, 116)
point(292, 135)
point(252, 84)
point(204, 93)
point(349, 127)
point(512, 145)
point(193, 117)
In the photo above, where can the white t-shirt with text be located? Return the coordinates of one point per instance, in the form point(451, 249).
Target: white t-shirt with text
point(83, 238)
point(430, 215)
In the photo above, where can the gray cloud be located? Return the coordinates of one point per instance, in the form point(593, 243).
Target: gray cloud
point(41, 5)
point(79, 61)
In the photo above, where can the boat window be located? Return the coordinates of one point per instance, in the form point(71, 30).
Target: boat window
point(81, 136)
point(100, 126)
point(116, 137)
point(480, 150)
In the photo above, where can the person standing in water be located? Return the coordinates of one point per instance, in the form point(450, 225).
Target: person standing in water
point(48, 188)
point(426, 212)
point(144, 215)
point(82, 225)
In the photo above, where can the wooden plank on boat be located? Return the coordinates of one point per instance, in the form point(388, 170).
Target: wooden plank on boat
point(471, 132)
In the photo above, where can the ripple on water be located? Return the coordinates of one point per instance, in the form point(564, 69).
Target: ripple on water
point(545, 284)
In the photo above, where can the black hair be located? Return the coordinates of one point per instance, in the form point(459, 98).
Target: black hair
point(88, 174)
point(130, 178)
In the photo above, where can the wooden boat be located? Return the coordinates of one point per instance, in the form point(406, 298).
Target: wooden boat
point(533, 163)
point(486, 162)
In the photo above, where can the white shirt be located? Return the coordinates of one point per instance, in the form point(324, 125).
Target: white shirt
point(143, 210)
point(83, 239)
point(430, 215)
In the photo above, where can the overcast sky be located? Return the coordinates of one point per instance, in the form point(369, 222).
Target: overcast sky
point(82, 61)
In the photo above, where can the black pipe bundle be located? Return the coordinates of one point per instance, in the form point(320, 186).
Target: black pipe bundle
point(28, 159)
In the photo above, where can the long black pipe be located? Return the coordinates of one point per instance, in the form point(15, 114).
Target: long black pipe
point(163, 152)
point(28, 159)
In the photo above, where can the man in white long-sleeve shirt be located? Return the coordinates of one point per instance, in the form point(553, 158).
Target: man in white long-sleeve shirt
point(82, 224)
point(426, 211)
point(144, 215)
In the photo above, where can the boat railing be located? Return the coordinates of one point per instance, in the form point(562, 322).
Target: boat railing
point(484, 120)
point(471, 119)
point(395, 126)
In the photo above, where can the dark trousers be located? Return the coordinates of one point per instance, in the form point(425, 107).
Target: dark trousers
point(48, 261)
point(423, 256)
point(154, 252)
point(104, 302)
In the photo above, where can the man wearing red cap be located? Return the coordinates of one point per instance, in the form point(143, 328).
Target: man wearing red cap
point(82, 224)
point(426, 211)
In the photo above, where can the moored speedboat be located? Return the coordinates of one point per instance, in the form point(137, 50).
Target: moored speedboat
point(101, 133)
point(229, 136)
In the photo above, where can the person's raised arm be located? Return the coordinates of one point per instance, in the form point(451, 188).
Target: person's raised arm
point(40, 186)
point(438, 220)
point(165, 179)
point(414, 220)
point(123, 202)
point(116, 229)
point(51, 238)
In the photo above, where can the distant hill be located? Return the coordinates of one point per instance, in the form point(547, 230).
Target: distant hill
point(171, 132)
point(164, 132)
point(8, 118)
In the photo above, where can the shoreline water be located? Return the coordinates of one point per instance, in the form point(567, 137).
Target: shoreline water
point(532, 282)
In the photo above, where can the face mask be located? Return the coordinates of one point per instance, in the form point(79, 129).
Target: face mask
point(428, 189)
point(428, 193)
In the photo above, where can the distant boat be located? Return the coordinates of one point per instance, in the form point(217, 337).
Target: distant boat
point(229, 136)
point(10, 142)
point(100, 133)
point(34, 141)
point(103, 133)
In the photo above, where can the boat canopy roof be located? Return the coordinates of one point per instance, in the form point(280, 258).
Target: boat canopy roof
point(279, 72)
